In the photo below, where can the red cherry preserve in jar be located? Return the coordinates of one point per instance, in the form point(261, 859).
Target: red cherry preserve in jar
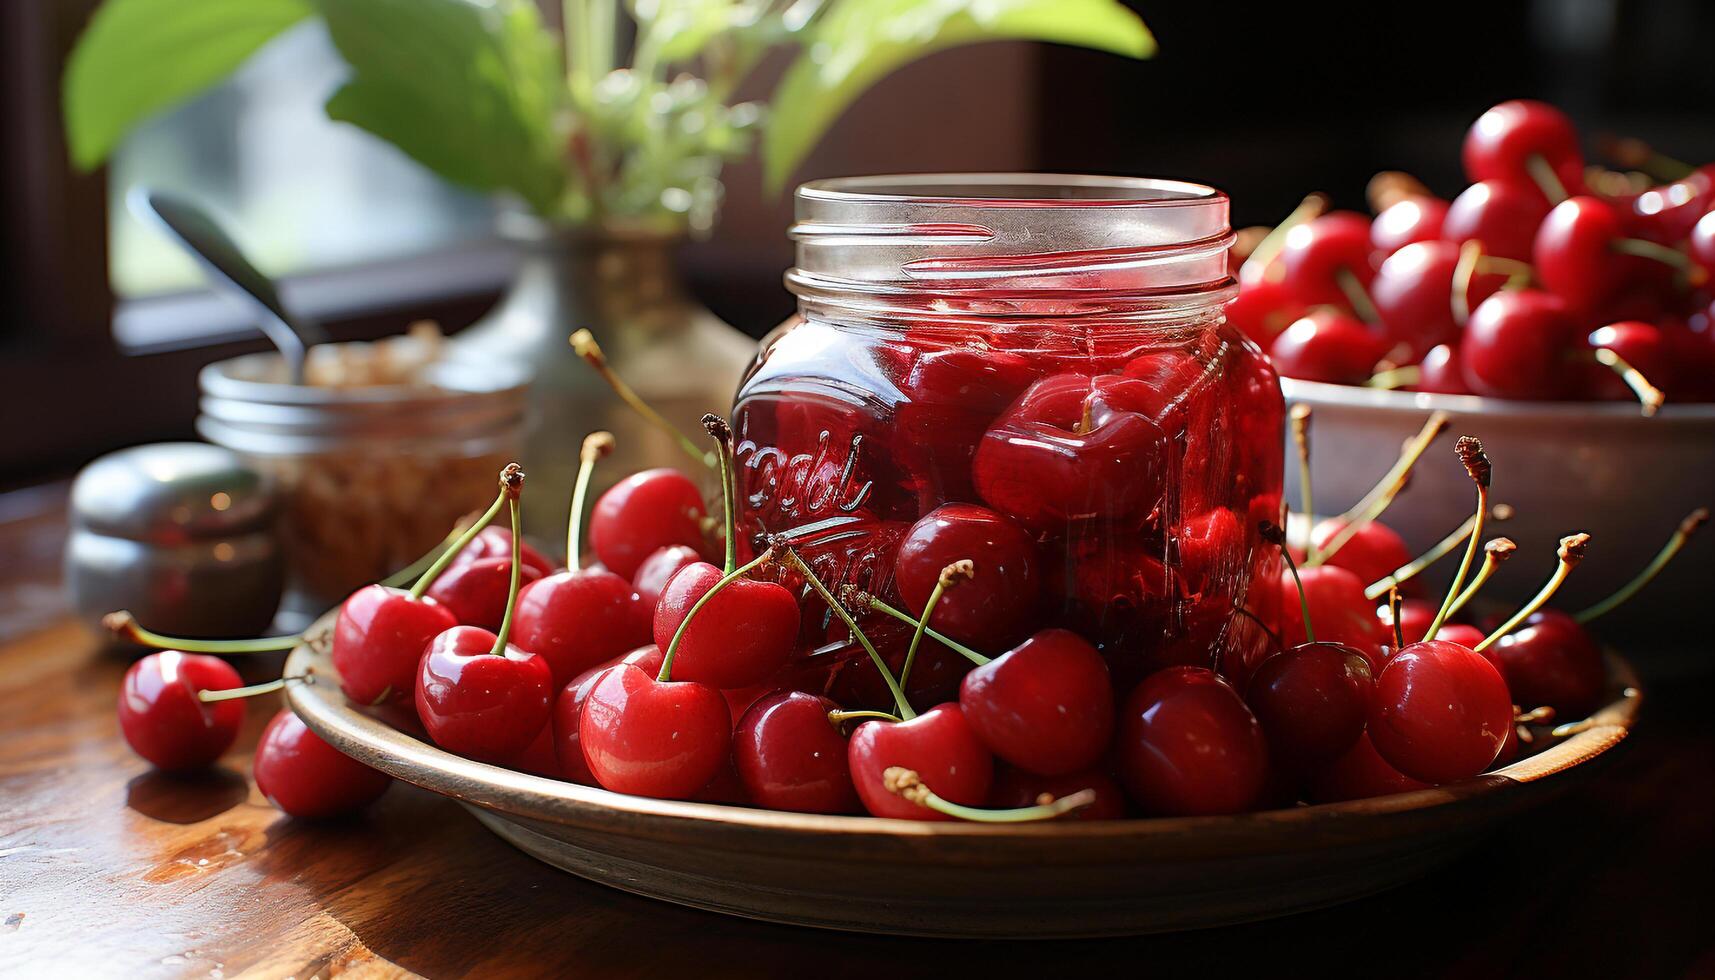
point(1030, 371)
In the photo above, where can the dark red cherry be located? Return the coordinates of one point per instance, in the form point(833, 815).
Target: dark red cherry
point(1015, 788)
point(1574, 252)
point(1329, 346)
point(664, 739)
point(1188, 745)
point(306, 777)
point(1075, 447)
point(1046, 706)
point(1669, 213)
point(1359, 774)
point(939, 745)
point(1319, 252)
point(1640, 345)
point(991, 609)
point(1262, 309)
point(1372, 553)
point(378, 639)
point(478, 704)
point(1440, 372)
point(1413, 295)
point(579, 618)
point(642, 513)
point(495, 541)
point(1312, 701)
point(1503, 140)
point(1112, 589)
point(1701, 244)
point(1416, 218)
point(1501, 214)
point(661, 565)
point(1212, 550)
point(568, 711)
point(741, 636)
point(1517, 346)
point(948, 399)
point(165, 722)
point(1441, 712)
point(475, 591)
point(791, 757)
point(1552, 660)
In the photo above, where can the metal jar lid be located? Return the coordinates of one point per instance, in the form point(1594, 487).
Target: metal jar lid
point(171, 493)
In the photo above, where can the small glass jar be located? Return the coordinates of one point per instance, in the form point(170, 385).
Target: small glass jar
point(1033, 368)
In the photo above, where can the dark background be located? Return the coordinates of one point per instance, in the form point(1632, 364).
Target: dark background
point(1268, 102)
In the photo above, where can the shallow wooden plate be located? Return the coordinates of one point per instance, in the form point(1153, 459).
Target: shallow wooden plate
point(908, 877)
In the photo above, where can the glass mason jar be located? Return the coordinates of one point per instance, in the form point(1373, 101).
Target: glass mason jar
point(1031, 371)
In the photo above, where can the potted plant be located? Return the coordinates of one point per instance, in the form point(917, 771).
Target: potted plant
point(609, 158)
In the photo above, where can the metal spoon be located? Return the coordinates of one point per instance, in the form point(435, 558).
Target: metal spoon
point(225, 263)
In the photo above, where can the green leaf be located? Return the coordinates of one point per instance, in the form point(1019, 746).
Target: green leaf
point(138, 57)
point(471, 90)
point(678, 30)
point(857, 42)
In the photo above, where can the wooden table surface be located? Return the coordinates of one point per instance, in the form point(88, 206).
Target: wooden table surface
point(109, 869)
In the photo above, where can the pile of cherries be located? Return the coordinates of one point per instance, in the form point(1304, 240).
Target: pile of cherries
point(655, 670)
point(1539, 281)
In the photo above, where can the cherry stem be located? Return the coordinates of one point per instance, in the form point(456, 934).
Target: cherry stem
point(596, 445)
point(1308, 209)
point(838, 718)
point(505, 633)
point(266, 687)
point(721, 433)
point(584, 343)
point(666, 672)
point(907, 784)
point(1683, 533)
point(1635, 154)
point(1519, 274)
point(1382, 495)
point(899, 700)
point(1469, 254)
point(125, 626)
point(1645, 249)
point(949, 577)
point(1393, 378)
point(1570, 554)
point(1497, 551)
point(865, 599)
point(1476, 463)
point(1393, 605)
point(1545, 177)
point(1649, 396)
point(1274, 535)
point(1438, 551)
point(1357, 295)
point(510, 473)
point(1301, 441)
point(410, 573)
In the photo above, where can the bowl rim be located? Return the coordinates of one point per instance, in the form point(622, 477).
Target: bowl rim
point(1419, 402)
point(325, 710)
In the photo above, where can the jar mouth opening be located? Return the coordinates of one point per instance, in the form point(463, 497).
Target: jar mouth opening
point(1014, 190)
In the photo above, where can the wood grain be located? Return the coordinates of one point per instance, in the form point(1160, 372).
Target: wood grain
point(107, 870)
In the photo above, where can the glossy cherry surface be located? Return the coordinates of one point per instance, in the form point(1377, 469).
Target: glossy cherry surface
point(646, 737)
point(1372, 553)
point(1413, 293)
point(1328, 346)
point(740, 637)
point(478, 704)
point(1312, 701)
point(642, 513)
point(495, 541)
point(1319, 252)
point(1262, 309)
point(306, 777)
point(1500, 144)
point(661, 565)
point(1015, 788)
point(1440, 372)
point(165, 722)
point(1517, 345)
point(568, 711)
point(475, 591)
point(995, 606)
point(1640, 345)
point(949, 397)
point(378, 640)
point(1501, 214)
point(1046, 706)
point(939, 745)
point(1441, 712)
point(1339, 610)
point(1416, 218)
point(1552, 661)
point(789, 756)
point(577, 619)
point(1189, 746)
point(1574, 252)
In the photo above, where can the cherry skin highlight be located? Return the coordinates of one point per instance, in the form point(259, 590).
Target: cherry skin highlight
point(791, 757)
point(1189, 746)
point(306, 777)
point(1372, 553)
point(378, 639)
point(568, 712)
point(1501, 142)
point(664, 739)
point(939, 745)
point(475, 591)
point(1440, 373)
point(993, 608)
point(165, 722)
point(479, 705)
point(1318, 252)
point(1312, 701)
point(1517, 346)
point(1046, 706)
point(1328, 346)
point(1501, 214)
point(1441, 712)
point(661, 565)
point(1552, 661)
point(740, 637)
point(1409, 220)
point(642, 513)
point(576, 619)
point(495, 541)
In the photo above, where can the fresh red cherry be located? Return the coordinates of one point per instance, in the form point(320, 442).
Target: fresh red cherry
point(1668, 214)
point(495, 541)
point(948, 398)
point(378, 639)
point(1441, 712)
point(1517, 345)
point(1501, 214)
point(1701, 244)
point(1359, 774)
point(1262, 309)
point(308, 778)
point(648, 737)
point(1320, 254)
point(1328, 346)
point(1639, 345)
point(1046, 706)
point(480, 704)
point(1188, 745)
point(995, 607)
point(1463, 634)
point(1312, 701)
point(539, 758)
point(1415, 616)
point(1112, 589)
point(1339, 611)
point(568, 710)
point(1440, 372)
point(1577, 252)
point(741, 636)
point(652, 576)
point(1415, 218)
point(642, 513)
point(790, 756)
point(475, 591)
point(576, 619)
point(1015, 788)
point(1551, 660)
point(1524, 140)
point(939, 745)
point(1413, 295)
point(1372, 553)
point(1075, 446)
point(165, 722)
